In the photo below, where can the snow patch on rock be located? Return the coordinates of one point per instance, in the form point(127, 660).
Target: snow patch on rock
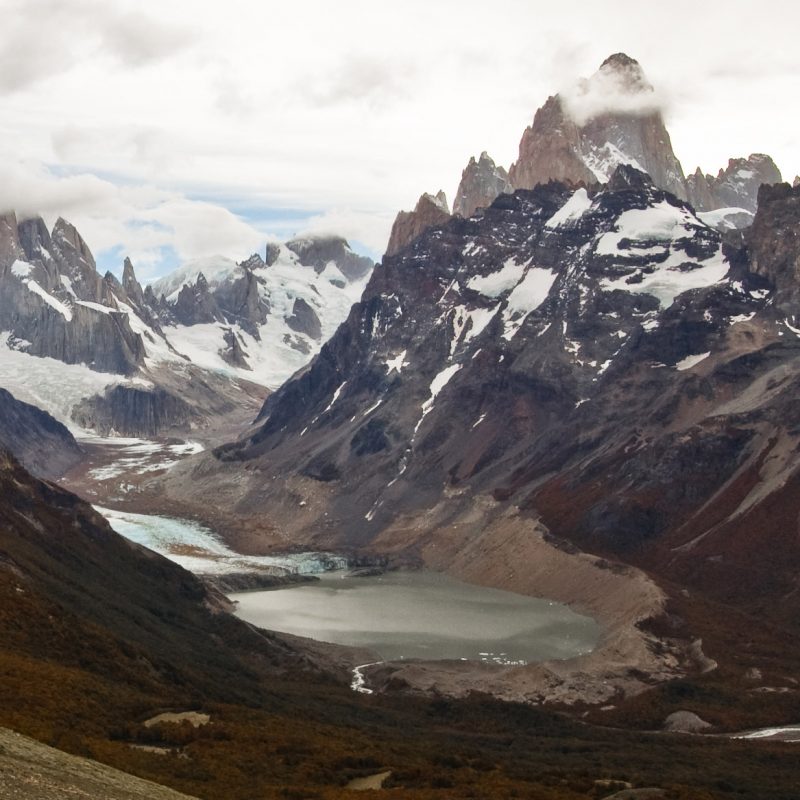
point(437, 384)
point(690, 361)
point(573, 209)
point(526, 297)
point(496, 283)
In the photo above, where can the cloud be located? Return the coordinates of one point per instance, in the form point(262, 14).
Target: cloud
point(375, 81)
point(369, 229)
point(44, 38)
point(150, 149)
point(611, 90)
point(136, 39)
point(136, 220)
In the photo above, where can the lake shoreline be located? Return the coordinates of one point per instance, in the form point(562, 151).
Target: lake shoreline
point(422, 616)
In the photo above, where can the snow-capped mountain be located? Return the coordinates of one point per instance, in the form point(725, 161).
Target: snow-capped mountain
point(610, 119)
point(111, 356)
point(580, 136)
point(598, 358)
point(260, 320)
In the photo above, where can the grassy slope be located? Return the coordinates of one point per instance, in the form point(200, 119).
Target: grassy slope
point(97, 636)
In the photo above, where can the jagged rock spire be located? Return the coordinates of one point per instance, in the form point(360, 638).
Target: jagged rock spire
point(609, 119)
point(735, 186)
point(132, 286)
point(409, 225)
point(481, 182)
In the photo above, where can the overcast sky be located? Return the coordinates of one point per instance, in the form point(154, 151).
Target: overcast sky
point(171, 129)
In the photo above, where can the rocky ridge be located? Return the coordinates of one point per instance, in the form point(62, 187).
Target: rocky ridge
point(481, 182)
point(736, 186)
point(431, 210)
point(580, 136)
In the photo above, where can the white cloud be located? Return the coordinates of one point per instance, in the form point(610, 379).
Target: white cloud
point(346, 111)
point(44, 38)
point(140, 220)
point(611, 90)
point(377, 81)
point(368, 228)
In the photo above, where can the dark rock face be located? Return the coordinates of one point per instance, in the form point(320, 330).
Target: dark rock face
point(431, 210)
point(736, 186)
point(234, 354)
point(304, 320)
point(76, 263)
point(588, 357)
point(135, 412)
point(240, 301)
point(273, 250)
point(102, 339)
point(481, 182)
point(772, 244)
point(196, 305)
point(130, 285)
point(10, 247)
point(610, 119)
point(41, 444)
point(35, 239)
point(698, 188)
point(54, 300)
point(319, 251)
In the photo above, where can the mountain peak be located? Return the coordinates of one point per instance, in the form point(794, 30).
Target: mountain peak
point(580, 135)
point(431, 210)
point(627, 177)
point(625, 72)
point(439, 200)
point(735, 186)
point(481, 182)
point(130, 283)
point(621, 61)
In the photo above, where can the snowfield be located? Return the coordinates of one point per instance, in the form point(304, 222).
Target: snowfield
point(51, 384)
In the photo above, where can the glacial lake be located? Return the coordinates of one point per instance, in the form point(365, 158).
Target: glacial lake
point(423, 615)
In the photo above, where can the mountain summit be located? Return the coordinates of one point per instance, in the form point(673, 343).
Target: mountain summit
point(612, 118)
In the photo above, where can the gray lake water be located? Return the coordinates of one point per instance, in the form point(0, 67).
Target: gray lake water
point(423, 615)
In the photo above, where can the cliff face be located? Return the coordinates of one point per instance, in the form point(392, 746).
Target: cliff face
point(550, 149)
point(40, 443)
point(773, 245)
point(53, 300)
point(431, 210)
point(610, 119)
point(736, 186)
point(481, 182)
